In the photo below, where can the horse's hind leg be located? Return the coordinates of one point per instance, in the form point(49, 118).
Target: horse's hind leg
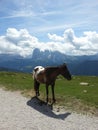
point(53, 95)
point(47, 92)
point(36, 88)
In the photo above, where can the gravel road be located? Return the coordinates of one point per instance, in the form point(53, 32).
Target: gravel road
point(21, 113)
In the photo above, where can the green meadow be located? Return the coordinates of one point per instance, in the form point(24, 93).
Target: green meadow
point(70, 94)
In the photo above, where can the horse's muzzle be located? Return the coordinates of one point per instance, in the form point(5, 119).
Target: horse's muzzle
point(69, 78)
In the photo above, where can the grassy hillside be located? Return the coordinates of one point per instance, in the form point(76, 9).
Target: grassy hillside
point(68, 93)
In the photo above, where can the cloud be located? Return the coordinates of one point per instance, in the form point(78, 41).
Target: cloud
point(17, 42)
point(20, 42)
point(54, 37)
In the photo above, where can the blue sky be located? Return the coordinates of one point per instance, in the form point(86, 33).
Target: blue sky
point(47, 20)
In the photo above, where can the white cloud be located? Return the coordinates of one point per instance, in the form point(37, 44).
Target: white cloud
point(22, 43)
point(54, 37)
point(17, 42)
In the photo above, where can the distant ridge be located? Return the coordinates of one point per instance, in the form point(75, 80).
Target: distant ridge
point(87, 68)
point(78, 65)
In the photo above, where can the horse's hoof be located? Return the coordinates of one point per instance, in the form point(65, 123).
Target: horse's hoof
point(39, 94)
point(54, 101)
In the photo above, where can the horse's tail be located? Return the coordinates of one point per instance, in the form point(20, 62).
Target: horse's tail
point(33, 74)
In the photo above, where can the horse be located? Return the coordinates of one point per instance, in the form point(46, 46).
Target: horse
point(48, 77)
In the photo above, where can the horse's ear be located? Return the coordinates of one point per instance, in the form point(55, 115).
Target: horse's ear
point(64, 63)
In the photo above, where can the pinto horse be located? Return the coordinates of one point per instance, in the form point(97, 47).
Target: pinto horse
point(48, 76)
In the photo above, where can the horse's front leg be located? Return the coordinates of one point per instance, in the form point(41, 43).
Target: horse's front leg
point(47, 93)
point(53, 95)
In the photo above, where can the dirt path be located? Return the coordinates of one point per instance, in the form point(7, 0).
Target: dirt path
point(20, 113)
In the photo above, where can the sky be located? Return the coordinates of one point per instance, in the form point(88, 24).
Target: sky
point(68, 26)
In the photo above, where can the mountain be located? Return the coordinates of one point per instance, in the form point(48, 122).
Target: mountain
point(89, 67)
point(78, 65)
point(49, 56)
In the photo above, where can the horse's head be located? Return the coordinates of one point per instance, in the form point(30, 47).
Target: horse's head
point(65, 72)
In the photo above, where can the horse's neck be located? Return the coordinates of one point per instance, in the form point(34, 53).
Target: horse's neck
point(53, 70)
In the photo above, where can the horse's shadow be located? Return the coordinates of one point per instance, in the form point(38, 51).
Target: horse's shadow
point(45, 109)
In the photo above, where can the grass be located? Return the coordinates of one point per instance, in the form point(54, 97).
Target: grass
point(68, 93)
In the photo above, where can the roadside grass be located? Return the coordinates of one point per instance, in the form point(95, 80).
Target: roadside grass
point(16, 81)
point(70, 94)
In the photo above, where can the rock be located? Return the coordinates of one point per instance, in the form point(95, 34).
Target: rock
point(85, 91)
point(84, 83)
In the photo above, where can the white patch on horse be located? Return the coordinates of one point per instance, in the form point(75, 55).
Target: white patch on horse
point(37, 70)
